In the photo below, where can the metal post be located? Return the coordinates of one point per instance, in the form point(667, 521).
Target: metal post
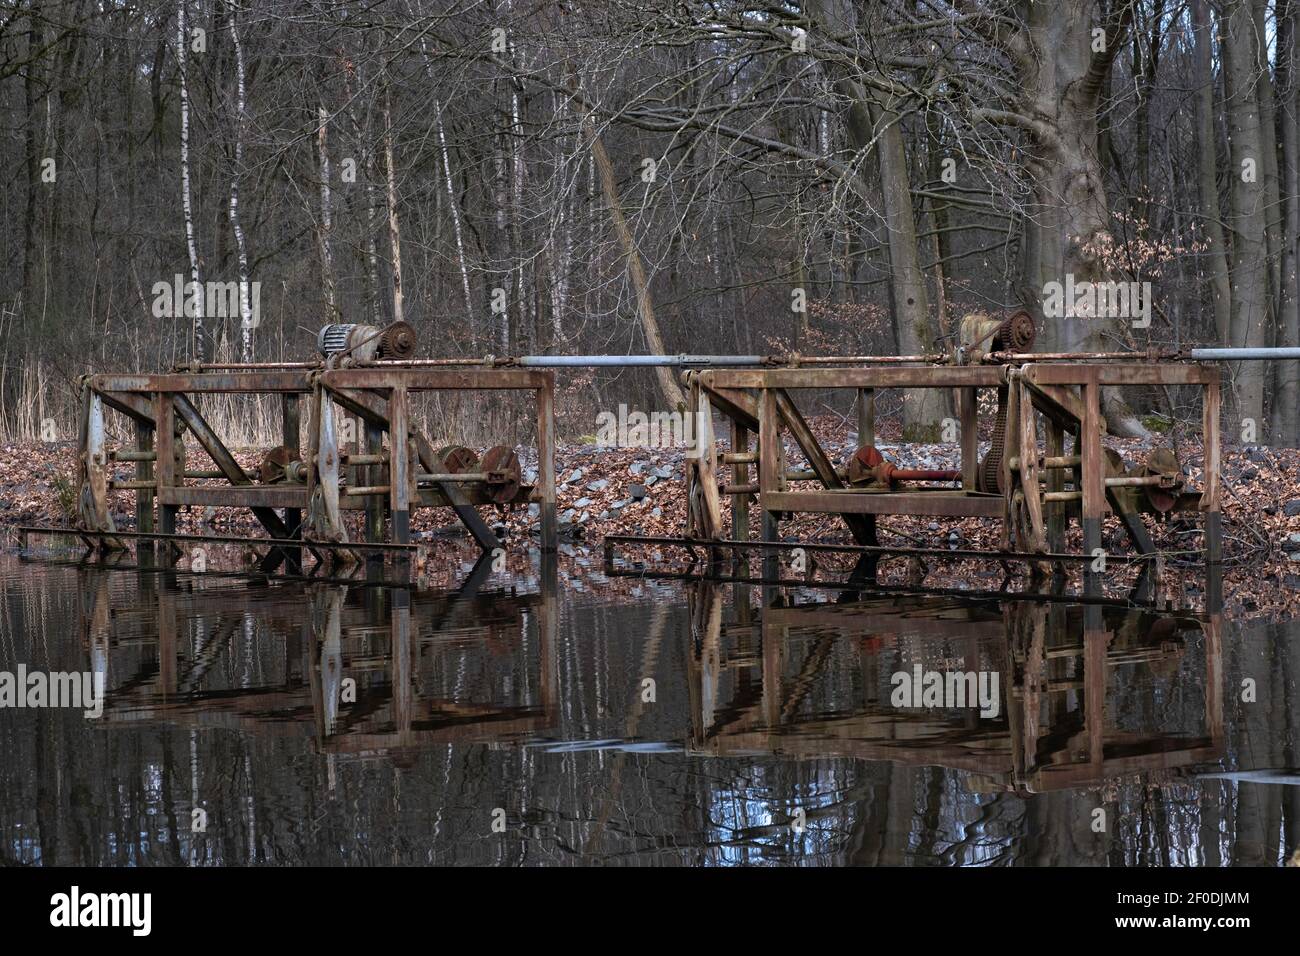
point(166, 439)
point(1093, 477)
point(399, 467)
point(291, 413)
point(546, 463)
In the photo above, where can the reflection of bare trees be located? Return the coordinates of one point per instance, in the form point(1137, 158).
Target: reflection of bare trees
point(225, 698)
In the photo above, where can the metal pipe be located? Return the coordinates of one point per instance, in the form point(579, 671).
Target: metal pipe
point(1244, 354)
point(664, 361)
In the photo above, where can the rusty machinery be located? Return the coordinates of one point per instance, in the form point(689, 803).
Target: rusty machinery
point(300, 490)
point(1027, 479)
point(368, 372)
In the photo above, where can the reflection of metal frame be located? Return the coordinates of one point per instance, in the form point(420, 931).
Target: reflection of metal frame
point(387, 717)
point(1051, 731)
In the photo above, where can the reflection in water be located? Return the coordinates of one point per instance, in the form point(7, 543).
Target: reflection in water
point(676, 724)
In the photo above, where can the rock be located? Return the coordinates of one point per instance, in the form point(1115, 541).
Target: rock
point(637, 467)
point(650, 480)
point(576, 476)
point(1249, 474)
point(599, 485)
point(661, 472)
point(933, 526)
point(637, 492)
point(1292, 542)
point(1293, 556)
point(582, 502)
point(534, 510)
point(1291, 508)
point(568, 516)
point(658, 512)
point(620, 504)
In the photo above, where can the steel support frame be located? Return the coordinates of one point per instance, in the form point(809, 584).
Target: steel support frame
point(757, 402)
point(161, 408)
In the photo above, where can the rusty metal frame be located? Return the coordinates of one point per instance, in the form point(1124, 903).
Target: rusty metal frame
point(161, 410)
point(757, 403)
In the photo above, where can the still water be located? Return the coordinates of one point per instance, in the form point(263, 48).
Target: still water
point(558, 718)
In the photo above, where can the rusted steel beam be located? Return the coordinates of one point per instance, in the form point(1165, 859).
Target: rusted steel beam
point(1120, 375)
point(262, 497)
point(234, 382)
point(952, 504)
point(224, 460)
point(134, 406)
point(420, 379)
point(944, 376)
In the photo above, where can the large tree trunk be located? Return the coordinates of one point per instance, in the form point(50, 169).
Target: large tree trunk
point(1206, 172)
point(1251, 320)
point(1067, 226)
point(1286, 396)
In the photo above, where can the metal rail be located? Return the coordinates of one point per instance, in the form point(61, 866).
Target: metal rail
point(24, 530)
point(958, 553)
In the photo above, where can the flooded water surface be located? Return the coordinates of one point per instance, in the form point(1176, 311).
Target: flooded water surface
point(547, 719)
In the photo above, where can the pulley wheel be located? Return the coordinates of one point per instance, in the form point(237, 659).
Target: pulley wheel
point(502, 467)
point(457, 459)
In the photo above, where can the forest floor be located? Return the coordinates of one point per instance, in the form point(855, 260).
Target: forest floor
point(604, 491)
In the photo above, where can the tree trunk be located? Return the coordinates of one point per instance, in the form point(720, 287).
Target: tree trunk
point(668, 387)
point(1206, 172)
point(1250, 280)
point(1286, 395)
point(198, 348)
point(394, 232)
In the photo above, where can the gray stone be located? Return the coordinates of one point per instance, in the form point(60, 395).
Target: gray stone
point(599, 485)
point(582, 502)
point(658, 512)
point(638, 466)
point(576, 476)
point(662, 472)
point(636, 491)
point(650, 480)
point(1291, 508)
point(568, 515)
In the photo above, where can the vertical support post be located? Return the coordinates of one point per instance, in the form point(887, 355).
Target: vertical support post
point(291, 413)
point(866, 416)
point(399, 467)
point(1210, 494)
point(769, 474)
point(165, 439)
point(1055, 482)
point(374, 445)
point(546, 462)
point(739, 476)
point(144, 496)
point(970, 437)
point(1092, 476)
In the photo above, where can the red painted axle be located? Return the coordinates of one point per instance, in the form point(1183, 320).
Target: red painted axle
point(869, 466)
